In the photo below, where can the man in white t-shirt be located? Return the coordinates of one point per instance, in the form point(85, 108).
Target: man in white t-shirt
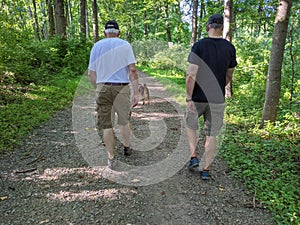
point(111, 69)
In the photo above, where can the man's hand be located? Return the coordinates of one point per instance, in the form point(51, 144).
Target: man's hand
point(135, 100)
point(191, 106)
point(92, 77)
point(134, 80)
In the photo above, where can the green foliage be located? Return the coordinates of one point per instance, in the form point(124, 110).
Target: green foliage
point(37, 79)
point(161, 55)
point(172, 57)
point(33, 106)
point(265, 159)
point(146, 49)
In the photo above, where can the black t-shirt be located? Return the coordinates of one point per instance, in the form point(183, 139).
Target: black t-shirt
point(213, 56)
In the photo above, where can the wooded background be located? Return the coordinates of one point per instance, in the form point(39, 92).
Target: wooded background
point(45, 46)
point(181, 22)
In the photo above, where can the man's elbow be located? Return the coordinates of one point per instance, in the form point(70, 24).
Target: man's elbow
point(91, 73)
point(132, 69)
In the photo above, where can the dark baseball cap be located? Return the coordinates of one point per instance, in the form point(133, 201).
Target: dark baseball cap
point(112, 24)
point(215, 18)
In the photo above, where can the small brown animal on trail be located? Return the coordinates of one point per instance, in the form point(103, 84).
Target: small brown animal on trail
point(144, 93)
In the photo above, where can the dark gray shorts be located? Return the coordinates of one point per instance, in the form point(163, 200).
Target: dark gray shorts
point(111, 99)
point(213, 117)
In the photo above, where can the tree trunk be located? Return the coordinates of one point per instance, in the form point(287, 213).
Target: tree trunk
point(95, 21)
point(51, 18)
point(157, 13)
point(145, 25)
point(194, 21)
point(36, 22)
point(276, 57)
point(292, 56)
point(69, 13)
point(60, 18)
point(167, 25)
point(260, 15)
point(202, 13)
point(83, 20)
point(228, 20)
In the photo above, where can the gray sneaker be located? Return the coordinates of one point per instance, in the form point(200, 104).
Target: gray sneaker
point(112, 163)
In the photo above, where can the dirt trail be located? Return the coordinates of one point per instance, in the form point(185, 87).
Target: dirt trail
point(48, 181)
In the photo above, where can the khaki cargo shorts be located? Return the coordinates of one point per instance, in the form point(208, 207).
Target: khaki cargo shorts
point(111, 100)
point(213, 115)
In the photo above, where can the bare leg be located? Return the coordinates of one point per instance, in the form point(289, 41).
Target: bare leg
point(192, 139)
point(126, 131)
point(210, 149)
point(109, 141)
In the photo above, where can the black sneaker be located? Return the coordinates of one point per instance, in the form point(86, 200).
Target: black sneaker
point(204, 174)
point(127, 151)
point(194, 162)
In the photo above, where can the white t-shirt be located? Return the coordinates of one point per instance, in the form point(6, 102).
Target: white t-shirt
point(110, 58)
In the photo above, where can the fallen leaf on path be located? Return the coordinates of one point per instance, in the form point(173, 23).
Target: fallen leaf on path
point(3, 198)
point(135, 181)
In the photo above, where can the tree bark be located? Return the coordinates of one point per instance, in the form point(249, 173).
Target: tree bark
point(51, 18)
point(69, 14)
point(36, 21)
point(194, 21)
point(228, 20)
point(60, 18)
point(95, 21)
point(83, 20)
point(276, 58)
point(167, 25)
point(202, 13)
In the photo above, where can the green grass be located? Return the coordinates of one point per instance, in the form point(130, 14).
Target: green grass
point(31, 107)
point(265, 160)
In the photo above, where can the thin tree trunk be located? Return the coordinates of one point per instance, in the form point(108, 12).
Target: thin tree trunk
point(51, 18)
point(95, 21)
point(87, 22)
point(156, 21)
point(168, 29)
point(44, 29)
point(228, 19)
point(145, 25)
point(202, 13)
point(260, 13)
point(83, 20)
point(36, 21)
point(194, 21)
point(292, 56)
point(276, 57)
point(69, 14)
point(60, 18)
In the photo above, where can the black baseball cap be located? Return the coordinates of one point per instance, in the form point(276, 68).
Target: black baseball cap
point(111, 24)
point(215, 19)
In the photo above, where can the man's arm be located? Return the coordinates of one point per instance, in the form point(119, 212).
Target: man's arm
point(229, 74)
point(93, 78)
point(134, 80)
point(190, 80)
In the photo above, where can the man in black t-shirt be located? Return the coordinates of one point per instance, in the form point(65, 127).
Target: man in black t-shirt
point(211, 65)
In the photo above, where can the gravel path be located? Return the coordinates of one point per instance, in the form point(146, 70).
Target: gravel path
point(50, 180)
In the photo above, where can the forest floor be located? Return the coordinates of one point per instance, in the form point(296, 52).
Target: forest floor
point(57, 176)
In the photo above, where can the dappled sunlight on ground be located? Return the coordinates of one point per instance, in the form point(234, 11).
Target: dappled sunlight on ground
point(68, 196)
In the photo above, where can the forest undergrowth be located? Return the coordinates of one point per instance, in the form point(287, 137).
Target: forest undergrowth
point(42, 77)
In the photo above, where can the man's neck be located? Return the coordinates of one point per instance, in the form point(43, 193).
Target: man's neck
point(212, 33)
point(111, 35)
